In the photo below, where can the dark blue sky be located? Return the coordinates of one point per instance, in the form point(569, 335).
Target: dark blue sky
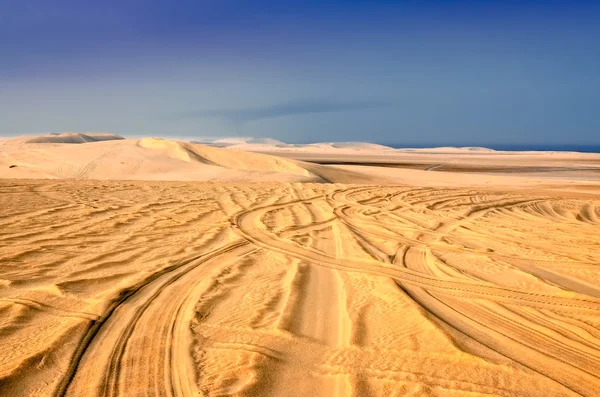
point(420, 72)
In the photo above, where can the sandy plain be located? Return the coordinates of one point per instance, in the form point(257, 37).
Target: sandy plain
point(258, 275)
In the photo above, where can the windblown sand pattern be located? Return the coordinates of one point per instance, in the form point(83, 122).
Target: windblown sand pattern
point(183, 288)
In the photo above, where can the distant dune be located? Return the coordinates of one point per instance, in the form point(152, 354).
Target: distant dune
point(74, 137)
point(272, 145)
point(478, 149)
point(264, 141)
point(357, 145)
point(450, 149)
point(269, 144)
point(225, 142)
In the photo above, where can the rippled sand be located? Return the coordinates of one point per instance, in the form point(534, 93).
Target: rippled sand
point(190, 288)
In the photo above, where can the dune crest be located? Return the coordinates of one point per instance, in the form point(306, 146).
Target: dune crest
point(75, 137)
point(172, 149)
point(245, 161)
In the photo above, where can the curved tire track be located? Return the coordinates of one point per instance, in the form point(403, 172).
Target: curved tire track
point(98, 367)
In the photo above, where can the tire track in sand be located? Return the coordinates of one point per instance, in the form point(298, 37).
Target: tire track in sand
point(248, 225)
point(474, 321)
point(159, 310)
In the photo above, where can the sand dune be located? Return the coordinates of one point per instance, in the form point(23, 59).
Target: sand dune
point(450, 149)
point(107, 157)
point(273, 145)
point(332, 148)
point(357, 145)
point(223, 158)
point(240, 142)
point(257, 141)
point(183, 288)
point(144, 159)
point(74, 137)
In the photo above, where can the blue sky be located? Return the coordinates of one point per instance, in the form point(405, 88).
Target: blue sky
point(420, 72)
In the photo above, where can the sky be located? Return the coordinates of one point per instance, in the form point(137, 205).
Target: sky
point(395, 72)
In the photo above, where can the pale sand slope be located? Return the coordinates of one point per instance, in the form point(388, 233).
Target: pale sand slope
point(271, 289)
point(144, 159)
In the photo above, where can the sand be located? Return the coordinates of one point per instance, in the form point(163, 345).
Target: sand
point(110, 157)
point(74, 137)
point(272, 287)
point(140, 159)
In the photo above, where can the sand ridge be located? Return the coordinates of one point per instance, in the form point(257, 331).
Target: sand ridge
point(74, 137)
point(183, 288)
point(141, 159)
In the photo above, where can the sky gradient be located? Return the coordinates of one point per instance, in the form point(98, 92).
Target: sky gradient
point(412, 72)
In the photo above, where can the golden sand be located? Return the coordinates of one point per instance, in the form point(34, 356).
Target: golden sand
point(169, 288)
point(296, 289)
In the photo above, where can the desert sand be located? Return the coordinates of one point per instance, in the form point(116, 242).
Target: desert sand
point(157, 267)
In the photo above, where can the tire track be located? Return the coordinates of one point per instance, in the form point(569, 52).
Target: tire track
point(444, 295)
point(97, 365)
point(248, 225)
point(335, 290)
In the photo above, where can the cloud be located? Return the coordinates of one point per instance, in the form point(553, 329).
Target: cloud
point(291, 108)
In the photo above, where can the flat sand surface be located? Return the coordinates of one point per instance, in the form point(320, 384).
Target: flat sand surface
point(406, 283)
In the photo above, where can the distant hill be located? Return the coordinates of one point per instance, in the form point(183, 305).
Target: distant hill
point(356, 145)
point(239, 142)
point(74, 137)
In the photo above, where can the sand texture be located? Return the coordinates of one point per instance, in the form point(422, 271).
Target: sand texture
point(148, 288)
